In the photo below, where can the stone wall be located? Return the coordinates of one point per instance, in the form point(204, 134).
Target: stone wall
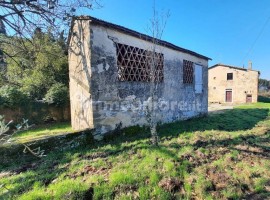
point(115, 102)
point(36, 113)
point(245, 82)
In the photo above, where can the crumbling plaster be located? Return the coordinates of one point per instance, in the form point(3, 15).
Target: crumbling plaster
point(114, 102)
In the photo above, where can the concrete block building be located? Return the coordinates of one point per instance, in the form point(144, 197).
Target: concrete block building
point(232, 85)
point(110, 77)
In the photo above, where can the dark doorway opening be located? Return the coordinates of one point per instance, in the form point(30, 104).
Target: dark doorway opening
point(249, 98)
point(228, 96)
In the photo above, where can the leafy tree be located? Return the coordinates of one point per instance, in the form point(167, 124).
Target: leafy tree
point(36, 64)
point(36, 60)
point(264, 83)
point(22, 18)
point(11, 97)
point(58, 94)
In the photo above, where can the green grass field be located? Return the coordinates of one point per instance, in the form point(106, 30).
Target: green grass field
point(44, 131)
point(255, 105)
point(222, 156)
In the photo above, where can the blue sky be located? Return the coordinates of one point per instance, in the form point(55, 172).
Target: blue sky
point(231, 32)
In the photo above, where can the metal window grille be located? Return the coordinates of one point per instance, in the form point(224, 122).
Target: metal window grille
point(188, 72)
point(135, 64)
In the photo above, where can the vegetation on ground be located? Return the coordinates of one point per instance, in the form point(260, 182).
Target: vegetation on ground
point(264, 97)
point(264, 83)
point(254, 105)
point(43, 131)
point(221, 156)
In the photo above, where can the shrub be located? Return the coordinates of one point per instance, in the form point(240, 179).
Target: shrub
point(11, 97)
point(58, 94)
point(264, 99)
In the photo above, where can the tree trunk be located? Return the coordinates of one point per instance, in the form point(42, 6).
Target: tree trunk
point(154, 135)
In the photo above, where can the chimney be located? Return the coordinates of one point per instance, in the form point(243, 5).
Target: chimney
point(249, 65)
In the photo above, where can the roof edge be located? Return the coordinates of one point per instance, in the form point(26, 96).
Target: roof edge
point(136, 34)
point(234, 67)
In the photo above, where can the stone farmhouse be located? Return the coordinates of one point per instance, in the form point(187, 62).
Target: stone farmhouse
point(232, 85)
point(109, 70)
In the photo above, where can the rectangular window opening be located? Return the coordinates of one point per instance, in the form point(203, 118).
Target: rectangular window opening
point(188, 72)
point(229, 76)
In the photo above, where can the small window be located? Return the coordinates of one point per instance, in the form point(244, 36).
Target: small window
point(188, 72)
point(229, 76)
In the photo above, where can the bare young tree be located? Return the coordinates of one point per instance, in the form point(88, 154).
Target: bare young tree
point(156, 29)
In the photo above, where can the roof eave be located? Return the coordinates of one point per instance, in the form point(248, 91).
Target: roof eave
point(138, 35)
point(234, 67)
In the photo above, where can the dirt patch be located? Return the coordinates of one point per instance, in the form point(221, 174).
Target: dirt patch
point(219, 179)
point(255, 196)
point(216, 108)
point(26, 167)
point(95, 155)
point(90, 170)
point(93, 170)
point(253, 151)
point(4, 174)
point(249, 148)
point(171, 184)
point(199, 158)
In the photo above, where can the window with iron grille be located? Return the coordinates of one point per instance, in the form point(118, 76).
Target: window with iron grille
point(188, 72)
point(229, 76)
point(135, 64)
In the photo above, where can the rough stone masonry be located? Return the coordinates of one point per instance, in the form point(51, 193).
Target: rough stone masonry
point(109, 69)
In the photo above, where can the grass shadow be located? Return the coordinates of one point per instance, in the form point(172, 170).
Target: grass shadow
point(230, 120)
point(263, 99)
